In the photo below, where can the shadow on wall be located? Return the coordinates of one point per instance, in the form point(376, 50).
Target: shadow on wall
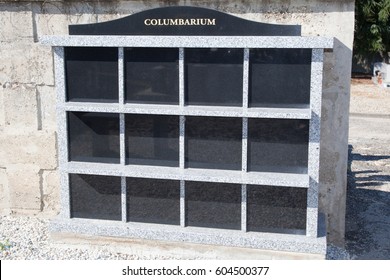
point(368, 208)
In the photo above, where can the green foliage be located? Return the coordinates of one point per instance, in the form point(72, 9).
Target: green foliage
point(4, 246)
point(372, 29)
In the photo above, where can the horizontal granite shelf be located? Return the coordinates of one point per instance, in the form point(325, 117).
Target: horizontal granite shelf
point(209, 111)
point(235, 238)
point(190, 174)
point(190, 41)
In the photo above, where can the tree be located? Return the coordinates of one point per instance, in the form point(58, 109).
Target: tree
point(372, 30)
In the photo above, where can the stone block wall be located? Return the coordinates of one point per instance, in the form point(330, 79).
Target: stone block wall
point(29, 180)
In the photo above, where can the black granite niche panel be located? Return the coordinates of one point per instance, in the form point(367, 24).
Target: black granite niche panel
point(152, 140)
point(278, 145)
point(279, 78)
point(276, 209)
point(152, 75)
point(91, 74)
point(93, 137)
point(95, 197)
point(213, 205)
point(153, 201)
point(214, 77)
point(213, 142)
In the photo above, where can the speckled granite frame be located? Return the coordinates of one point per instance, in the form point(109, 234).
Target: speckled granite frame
point(315, 239)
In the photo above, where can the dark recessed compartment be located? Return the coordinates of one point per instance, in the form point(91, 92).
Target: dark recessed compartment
point(213, 142)
point(95, 197)
point(278, 145)
point(93, 137)
point(153, 201)
point(213, 205)
point(276, 209)
point(152, 140)
point(152, 75)
point(91, 74)
point(279, 78)
point(214, 77)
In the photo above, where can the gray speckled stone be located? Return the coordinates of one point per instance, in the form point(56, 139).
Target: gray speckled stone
point(124, 199)
point(314, 141)
point(244, 208)
point(181, 78)
point(190, 174)
point(245, 81)
point(190, 41)
point(244, 159)
point(121, 76)
point(182, 204)
point(266, 241)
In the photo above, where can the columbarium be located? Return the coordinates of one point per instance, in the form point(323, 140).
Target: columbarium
point(188, 124)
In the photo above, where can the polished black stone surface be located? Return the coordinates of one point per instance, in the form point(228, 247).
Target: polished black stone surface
point(278, 145)
point(91, 74)
point(95, 197)
point(153, 201)
point(276, 209)
point(225, 24)
point(279, 78)
point(152, 140)
point(152, 75)
point(213, 77)
point(213, 205)
point(93, 137)
point(213, 142)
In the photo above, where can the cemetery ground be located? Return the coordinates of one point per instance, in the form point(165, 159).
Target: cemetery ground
point(368, 193)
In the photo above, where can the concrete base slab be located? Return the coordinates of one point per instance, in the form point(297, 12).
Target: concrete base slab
point(151, 249)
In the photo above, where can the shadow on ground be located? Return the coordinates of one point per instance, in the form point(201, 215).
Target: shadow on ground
point(368, 205)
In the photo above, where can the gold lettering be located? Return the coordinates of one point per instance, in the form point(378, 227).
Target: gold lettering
point(211, 21)
point(180, 21)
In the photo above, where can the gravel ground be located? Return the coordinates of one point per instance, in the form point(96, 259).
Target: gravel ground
point(368, 193)
point(27, 238)
point(368, 196)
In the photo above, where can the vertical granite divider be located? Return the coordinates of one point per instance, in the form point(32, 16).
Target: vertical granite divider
point(62, 124)
point(182, 121)
point(124, 199)
point(244, 218)
point(314, 142)
point(245, 103)
point(182, 204)
point(122, 128)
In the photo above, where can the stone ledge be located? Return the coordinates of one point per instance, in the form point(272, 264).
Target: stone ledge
point(236, 240)
point(151, 249)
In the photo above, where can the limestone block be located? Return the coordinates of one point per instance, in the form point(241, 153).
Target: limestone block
point(47, 107)
point(37, 148)
point(2, 116)
point(51, 191)
point(107, 11)
point(24, 185)
point(16, 23)
point(4, 194)
point(28, 64)
point(20, 109)
point(53, 18)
